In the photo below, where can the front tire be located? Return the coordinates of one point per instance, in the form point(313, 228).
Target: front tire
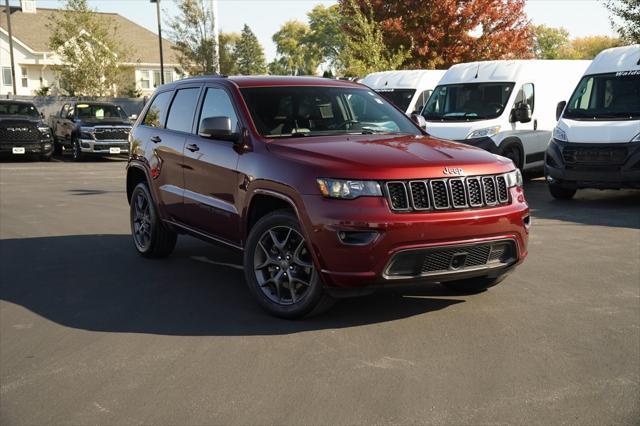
point(513, 153)
point(279, 269)
point(76, 151)
point(560, 193)
point(150, 237)
point(473, 285)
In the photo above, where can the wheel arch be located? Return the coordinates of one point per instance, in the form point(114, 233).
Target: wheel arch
point(135, 175)
point(265, 201)
point(513, 141)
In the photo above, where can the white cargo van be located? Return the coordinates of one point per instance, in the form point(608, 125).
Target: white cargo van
point(506, 107)
point(596, 143)
point(408, 90)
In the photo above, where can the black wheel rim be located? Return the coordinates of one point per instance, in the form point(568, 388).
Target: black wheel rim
point(282, 265)
point(141, 221)
point(76, 150)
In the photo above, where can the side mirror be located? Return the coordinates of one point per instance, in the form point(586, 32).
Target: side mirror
point(217, 128)
point(133, 117)
point(41, 115)
point(418, 109)
point(419, 120)
point(559, 109)
point(522, 113)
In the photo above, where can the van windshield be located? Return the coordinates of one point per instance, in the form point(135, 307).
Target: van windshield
point(467, 102)
point(280, 112)
point(605, 97)
point(399, 97)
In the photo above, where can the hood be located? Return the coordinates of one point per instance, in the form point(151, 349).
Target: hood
point(388, 157)
point(457, 130)
point(101, 122)
point(598, 131)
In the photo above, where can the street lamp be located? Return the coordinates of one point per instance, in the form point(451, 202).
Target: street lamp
point(13, 65)
point(157, 2)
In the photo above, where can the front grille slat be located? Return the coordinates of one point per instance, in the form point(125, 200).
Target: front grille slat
point(111, 134)
point(447, 194)
point(594, 155)
point(19, 131)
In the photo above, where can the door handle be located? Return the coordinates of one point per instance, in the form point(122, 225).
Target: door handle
point(193, 147)
point(156, 139)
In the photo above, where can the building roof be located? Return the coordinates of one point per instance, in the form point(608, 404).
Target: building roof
point(32, 30)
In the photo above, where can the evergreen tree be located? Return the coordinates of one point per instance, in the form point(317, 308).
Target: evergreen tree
point(249, 54)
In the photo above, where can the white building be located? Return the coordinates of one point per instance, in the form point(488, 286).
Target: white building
point(34, 60)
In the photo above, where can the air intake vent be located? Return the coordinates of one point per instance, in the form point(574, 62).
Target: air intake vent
point(489, 188)
point(440, 194)
point(419, 195)
point(458, 194)
point(503, 193)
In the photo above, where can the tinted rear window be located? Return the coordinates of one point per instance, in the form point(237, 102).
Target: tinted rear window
point(182, 109)
point(157, 112)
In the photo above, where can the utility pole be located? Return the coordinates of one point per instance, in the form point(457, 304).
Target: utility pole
point(157, 2)
point(13, 65)
point(216, 39)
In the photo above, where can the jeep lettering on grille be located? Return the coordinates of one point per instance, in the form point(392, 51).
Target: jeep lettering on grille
point(453, 171)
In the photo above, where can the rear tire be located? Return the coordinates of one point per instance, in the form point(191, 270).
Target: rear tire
point(279, 268)
point(151, 237)
point(473, 285)
point(560, 193)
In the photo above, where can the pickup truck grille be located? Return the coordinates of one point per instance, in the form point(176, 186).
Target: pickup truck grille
point(18, 131)
point(112, 133)
point(447, 194)
point(595, 155)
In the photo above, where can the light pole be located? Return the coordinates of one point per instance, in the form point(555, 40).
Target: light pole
point(216, 39)
point(157, 2)
point(13, 65)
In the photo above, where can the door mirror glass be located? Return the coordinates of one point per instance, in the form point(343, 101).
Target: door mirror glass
point(523, 113)
point(217, 128)
point(560, 108)
point(419, 120)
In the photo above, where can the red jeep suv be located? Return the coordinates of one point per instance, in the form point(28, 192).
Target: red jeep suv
point(326, 187)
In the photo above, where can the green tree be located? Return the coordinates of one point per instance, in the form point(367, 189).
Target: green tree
point(249, 53)
point(365, 50)
point(588, 47)
point(90, 50)
point(297, 55)
point(227, 43)
point(548, 42)
point(326, 34)
point(627, 13)
point(193, 37)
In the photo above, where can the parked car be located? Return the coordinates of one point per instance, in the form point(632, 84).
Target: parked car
point(407, 89)
point(22, 131)
point(326, 187)
point(505, 107)
point(91, 128)
point(596, 143)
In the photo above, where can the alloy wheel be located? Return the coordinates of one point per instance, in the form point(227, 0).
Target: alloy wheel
point(282, 265)
point(141, 221)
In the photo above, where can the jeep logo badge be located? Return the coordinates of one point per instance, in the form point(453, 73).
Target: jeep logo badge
point(453, 171)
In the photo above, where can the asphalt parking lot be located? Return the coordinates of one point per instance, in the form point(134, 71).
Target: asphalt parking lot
point(91, 333)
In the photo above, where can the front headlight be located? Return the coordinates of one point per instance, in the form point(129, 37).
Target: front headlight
point(484, 133)
point(559, 134)
point(43, 129)
point(636, 138)
point(514, 178)
point(86, 132)
point(348, 189)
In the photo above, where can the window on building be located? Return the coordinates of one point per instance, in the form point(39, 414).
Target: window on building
point(182, 109)
point(25, 77)
point(145, 81)
point(168, 76)
point(6, 76)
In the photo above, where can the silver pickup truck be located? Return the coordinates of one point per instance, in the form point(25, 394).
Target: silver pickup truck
point(91, 128)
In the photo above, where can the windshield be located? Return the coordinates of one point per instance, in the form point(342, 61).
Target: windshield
point(606, 96)
point(317, 111)
point(399, 97)
point(18, 108)
point(100, 112)
point(468, 101)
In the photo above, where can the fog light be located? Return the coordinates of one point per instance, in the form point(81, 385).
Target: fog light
point(85, 145)
point(357, 238)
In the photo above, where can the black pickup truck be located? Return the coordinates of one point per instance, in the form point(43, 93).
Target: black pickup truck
point(87, 128)
point(22, 131)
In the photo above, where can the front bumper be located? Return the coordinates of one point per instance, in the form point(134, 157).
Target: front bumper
point(366, 265)
point(600, 172)
point(40, 147)
point(104, 147)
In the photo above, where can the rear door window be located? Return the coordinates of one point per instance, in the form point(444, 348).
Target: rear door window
point(182, 109)
point(157, 112)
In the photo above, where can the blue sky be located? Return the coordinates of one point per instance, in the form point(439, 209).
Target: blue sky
point(580, 17)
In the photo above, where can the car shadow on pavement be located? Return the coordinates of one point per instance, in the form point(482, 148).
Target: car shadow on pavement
point(99, 283)
point(616, 208)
